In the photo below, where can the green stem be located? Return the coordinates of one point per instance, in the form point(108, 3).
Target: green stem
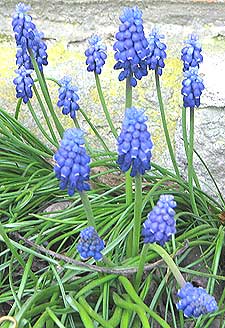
point(137, 214)
point(128, 103)
point(45, 114)
point(36, 119)
point(166, 132)
point(190, 163)
point(94, 130)
point(129, 192)
point(170, 263)
point(76, 123)
point(88, 209)
point(185, 140)
point(141, 266)
point(19, 103)
point(105, 109)
point(45, 92)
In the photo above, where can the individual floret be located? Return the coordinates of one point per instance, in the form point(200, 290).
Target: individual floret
point(195, 301)
point(90, 244)
point(192, 88)
point(131, 47)
point(72, 162)
point(157, 52)
point(160, 224)
point(191, 53)
point(134, 143)
point(24, 83)
point(68, 97)
point(96, 55)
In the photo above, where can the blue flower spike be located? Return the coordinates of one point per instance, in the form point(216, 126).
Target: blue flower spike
point(160, 224)
point(131, 48)
point(72, 162)
point(96, 55)
point(90, 244)
point(68, 97)
point(39, 50)
point(24, 83)
point(157, 52)
point(134, 143)
point(195, 301)
point(28, 38)
point(191, 53)
point(192, 88)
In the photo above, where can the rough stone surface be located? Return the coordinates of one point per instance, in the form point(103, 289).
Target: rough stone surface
point(68, 24)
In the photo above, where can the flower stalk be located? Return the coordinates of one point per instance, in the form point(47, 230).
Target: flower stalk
point(163, 117)
point(137, 214)
point(190, 163)
point(88, 209)
point(170, 263)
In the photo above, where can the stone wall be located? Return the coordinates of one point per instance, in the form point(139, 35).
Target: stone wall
point(68, 24)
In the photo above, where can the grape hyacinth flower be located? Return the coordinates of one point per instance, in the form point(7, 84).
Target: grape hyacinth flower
point(23, 26)
point(23, 58)
point(134, 143)
point(28, 38)
point(157, 52)
point(192, 88)
point(23, 84)
point(195, 301)
point(131, 47)
point(68, 97)
point(39, 50)
point(160, 224)
point(191, 53)
point(96, 55)
point(72, 162)
point(90, 244)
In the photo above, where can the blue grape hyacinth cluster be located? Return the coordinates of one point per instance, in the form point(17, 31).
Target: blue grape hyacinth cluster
point(134, 143)
point(27, 39)
point(192, 83)
point(195, 301)
point(131, 47)
point(23, 84)
point(157, 51)
point(90, 244)
point(72, 162)
point(96, 55)
point(68, 97)
point(160, 224)
point(191, 53)
point(192, 88)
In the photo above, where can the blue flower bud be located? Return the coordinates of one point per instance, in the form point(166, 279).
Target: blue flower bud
point(191, 53)
point(72, 161)
point(192, 88)
point(131, 47)
point(160, 224)
point(23, 84)
point(96, 55)
point(195, 301)
point(134, 143)
point(68, 97)
point(90, 244)
point(157, 52)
